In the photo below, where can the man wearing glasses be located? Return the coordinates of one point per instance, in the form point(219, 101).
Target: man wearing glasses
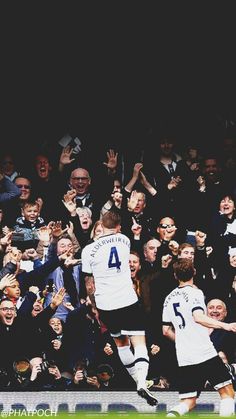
point(167, 232)
point(89, 193)
point(80, 181)
point(24, 185)
point(10, 336)
point(13, 211)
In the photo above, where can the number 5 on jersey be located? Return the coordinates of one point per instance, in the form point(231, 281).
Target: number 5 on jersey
point(179, 314)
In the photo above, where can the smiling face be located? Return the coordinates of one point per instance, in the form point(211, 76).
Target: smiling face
point(37, 308)
point(134, 264)
point(211, 169)
point(227, 206)
point(24, 185)
point(216, 309)
point(7, 312)
point(166, 229)
point(30, 212)
point(43, 167)
point(85, 217)
point(56, 325)
point(80, 181)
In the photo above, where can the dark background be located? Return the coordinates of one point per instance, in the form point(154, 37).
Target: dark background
point(108, 72)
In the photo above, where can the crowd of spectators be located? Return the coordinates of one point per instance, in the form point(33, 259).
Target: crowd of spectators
point(174, 203)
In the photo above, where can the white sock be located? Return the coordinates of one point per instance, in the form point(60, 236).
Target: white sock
point(128, 360)
point(226, 407)
point(141, 364)
point(180, 409)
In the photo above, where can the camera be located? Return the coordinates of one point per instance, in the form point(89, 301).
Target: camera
point(46, 364)
point(89, 373)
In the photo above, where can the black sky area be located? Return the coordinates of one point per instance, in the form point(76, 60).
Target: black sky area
point(108, 75)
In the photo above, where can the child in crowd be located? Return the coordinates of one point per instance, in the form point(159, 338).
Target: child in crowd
point(25, 230)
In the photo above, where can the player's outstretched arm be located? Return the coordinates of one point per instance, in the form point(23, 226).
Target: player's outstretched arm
point(206, 321)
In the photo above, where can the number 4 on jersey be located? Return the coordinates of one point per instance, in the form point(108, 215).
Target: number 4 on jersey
point(114, 261)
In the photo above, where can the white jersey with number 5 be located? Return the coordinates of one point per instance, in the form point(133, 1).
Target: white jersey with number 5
point(107, 259)
point(192, 341)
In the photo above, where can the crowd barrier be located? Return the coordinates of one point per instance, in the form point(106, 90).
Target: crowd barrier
point(51, 403)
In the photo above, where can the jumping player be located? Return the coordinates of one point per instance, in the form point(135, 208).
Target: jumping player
point(107, 260)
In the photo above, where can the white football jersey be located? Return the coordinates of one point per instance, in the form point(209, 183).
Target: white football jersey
point(108, 260)
point(192, 341)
